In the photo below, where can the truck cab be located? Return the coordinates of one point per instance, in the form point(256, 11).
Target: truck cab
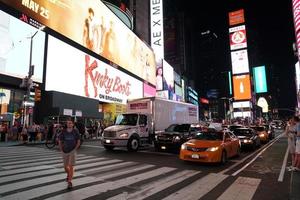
point(130, 130)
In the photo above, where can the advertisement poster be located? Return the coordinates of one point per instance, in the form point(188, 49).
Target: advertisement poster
point(15, 48)
point(93, 25)
point(168, 75)
point(160, 81)
point(239, 60)
point(241, 87)
point(74, 72)
point(260, 80)
point(238, 38)
point(149, 91)
point(236, 17)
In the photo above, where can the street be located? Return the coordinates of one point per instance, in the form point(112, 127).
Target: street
point(35, 172)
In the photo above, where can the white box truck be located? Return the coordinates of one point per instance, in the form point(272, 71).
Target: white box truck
point(143, 118)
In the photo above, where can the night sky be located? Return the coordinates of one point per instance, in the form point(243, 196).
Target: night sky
point(270, 35)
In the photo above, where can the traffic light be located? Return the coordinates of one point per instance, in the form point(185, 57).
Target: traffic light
point(37, 94)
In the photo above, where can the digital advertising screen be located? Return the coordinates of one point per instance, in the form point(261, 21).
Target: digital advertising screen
point(241, 87)
point(93, 25)
point(239, 61)
point(168, 73)
point(71, 71)
point(260, 80)
point(15, 37)
point(238, 39)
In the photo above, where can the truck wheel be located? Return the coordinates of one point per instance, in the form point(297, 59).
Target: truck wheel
point(109, 148)
point(133, 144)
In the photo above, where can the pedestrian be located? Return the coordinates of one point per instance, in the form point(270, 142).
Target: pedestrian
point(69, 141)
point(291, 132)
point(297, 149)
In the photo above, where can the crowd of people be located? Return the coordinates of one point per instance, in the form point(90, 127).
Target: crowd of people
point(40, 132)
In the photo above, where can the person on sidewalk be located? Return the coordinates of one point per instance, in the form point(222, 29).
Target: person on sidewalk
point(69, 141)
point(297, 149)
point(290, 132)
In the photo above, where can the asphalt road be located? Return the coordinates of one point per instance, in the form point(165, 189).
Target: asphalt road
point(145, 174)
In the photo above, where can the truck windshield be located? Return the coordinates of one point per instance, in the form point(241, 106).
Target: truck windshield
point(127, 119)
point(178, 128)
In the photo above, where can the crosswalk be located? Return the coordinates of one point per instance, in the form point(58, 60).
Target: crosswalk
point(37, 173)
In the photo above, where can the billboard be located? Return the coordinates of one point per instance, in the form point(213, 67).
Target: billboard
point(242, 114)
point(241, 87)
point(260, 80)
point(168, 73)
point(239, 60)
point(229, 82)
point(178, 90)
point(74, 72)
point(149, 91)
point(160, 81)
point(157, 28)
point(15, 48)
point(296, 14)
point(241, 104)
point(92, 24)
point(238, 38)
point(236, 17)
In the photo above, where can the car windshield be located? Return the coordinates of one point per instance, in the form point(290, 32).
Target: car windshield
point(127, 119)
point(209, 136)
point(178, 128)
point(242, 132)
point(259, 128)
point(233, 127)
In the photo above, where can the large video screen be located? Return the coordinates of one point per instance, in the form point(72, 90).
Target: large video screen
point(92, 24)
point(74, 72)
point(15, 48)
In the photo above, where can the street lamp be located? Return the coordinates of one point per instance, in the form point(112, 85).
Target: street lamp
point(28, 83)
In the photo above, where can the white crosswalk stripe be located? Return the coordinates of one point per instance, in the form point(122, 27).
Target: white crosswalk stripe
point(242, 189)
point(44, 178)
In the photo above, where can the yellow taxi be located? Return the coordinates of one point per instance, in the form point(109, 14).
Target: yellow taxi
point(262, 133)
point(211, 146)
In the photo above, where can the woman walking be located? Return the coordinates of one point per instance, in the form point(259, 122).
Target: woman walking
point(290, 132)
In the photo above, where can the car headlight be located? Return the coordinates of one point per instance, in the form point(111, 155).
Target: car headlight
point(124, 135)
point(176, 138)
point(183, 146)
point(247, 141)
point(261, 135)
point(212, 149)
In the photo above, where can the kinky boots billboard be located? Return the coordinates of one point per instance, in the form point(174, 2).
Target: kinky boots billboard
point(73, 72)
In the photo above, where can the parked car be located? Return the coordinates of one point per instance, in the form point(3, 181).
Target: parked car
point(248, 137)
point(262, 133)
point(211, 146)
point(175, 135)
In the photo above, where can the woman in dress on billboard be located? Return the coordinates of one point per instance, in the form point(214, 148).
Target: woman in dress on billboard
point(110, 50)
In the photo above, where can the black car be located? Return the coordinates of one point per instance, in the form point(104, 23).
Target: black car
point(174, 136)
point(247, 137)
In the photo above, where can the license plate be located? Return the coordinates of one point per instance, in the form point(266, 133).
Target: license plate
point(163, 147)
point(195, 156)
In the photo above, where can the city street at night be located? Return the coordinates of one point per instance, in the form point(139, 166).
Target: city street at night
point(35, 172)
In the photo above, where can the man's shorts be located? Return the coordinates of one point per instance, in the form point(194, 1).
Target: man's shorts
point(69, 158)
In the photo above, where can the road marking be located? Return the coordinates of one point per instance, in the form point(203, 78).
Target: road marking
point(199, 188)
point(282, 171)
point(24, 170)
point(259, 154)
point(157, 186)
point(243, 188)
point(159, 153)
point(93, 146)
point(111, 185)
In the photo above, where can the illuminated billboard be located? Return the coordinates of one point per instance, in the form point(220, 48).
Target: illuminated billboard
point(93, 25)
point(241, 104)
point(239, 60)
point(157, 28)
point(15, 48)
point(296, 15)
point(229, 82)
point(74, 72)
point(149, 91)
point(236, 17)
point(168, 73)
point(242, 114)
point(260, 80)
point(238, 38)
point(241, 87)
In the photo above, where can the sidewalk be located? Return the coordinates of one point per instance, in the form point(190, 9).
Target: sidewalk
point(295, 185)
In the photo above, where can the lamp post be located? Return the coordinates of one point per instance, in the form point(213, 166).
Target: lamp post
point(28, 81)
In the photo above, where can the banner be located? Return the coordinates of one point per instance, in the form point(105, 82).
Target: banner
point(74, 72)
point(92, 24)
point(241, 87)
